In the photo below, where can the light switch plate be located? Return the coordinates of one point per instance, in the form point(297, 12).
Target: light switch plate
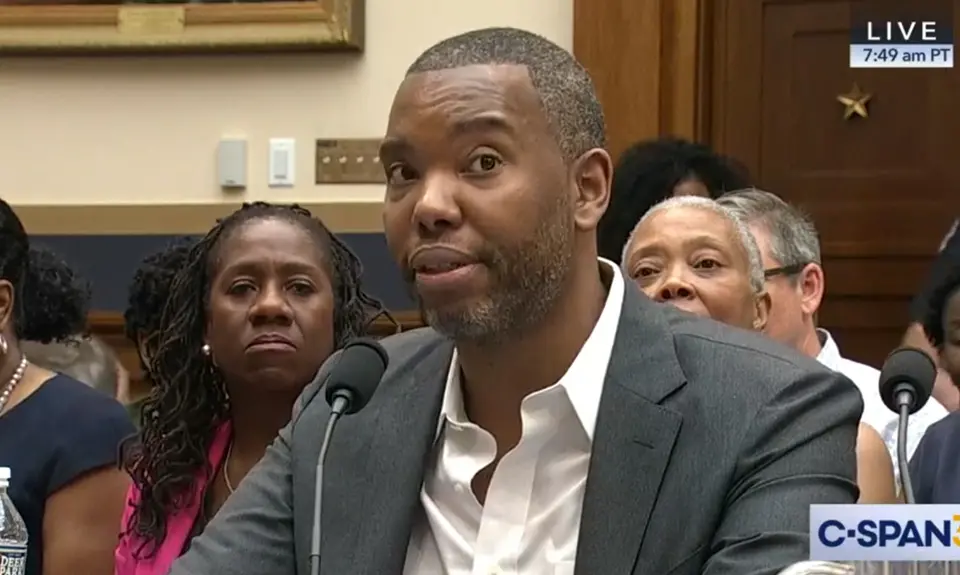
point(282, 162)
point(349, 161)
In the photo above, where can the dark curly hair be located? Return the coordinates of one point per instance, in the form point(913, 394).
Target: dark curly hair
point(945, 288)
point(189, 399)
point(647, 173)
point(150, 288)
point(50, 300)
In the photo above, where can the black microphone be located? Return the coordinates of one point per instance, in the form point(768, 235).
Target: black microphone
point(906, 382)
point(349, 386)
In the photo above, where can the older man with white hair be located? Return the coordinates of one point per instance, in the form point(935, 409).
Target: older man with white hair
point(790, 249)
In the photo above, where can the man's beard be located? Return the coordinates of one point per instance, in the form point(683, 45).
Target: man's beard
point(527, 280)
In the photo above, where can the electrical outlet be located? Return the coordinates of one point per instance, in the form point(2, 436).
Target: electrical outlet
point(349, 161)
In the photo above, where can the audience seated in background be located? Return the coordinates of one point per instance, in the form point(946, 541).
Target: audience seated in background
point(790, 250)
point(697, 255)
point(945, 389)
point(935, 466)
point(256, 307)
point(651, 171)
point(58, 436)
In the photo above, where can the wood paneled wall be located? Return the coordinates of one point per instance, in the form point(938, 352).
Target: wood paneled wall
point(650, 65)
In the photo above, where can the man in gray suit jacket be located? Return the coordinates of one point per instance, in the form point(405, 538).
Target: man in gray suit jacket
point(552, 420)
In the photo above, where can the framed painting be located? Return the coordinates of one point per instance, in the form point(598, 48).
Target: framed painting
point(137, 26)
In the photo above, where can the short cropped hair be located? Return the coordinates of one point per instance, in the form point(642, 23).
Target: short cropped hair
point(742, 233)
point(793, 236)
point(566, 90)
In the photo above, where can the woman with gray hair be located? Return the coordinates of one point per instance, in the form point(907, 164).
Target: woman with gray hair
point(697, 255)
point(694, 254)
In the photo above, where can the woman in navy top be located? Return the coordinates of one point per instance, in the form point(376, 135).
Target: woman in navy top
point(58, 436)
point(935, 467)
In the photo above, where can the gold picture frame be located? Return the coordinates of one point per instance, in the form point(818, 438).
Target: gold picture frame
point(305, 25)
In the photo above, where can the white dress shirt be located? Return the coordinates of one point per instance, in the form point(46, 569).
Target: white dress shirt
point(875, 413)
point(530, 521)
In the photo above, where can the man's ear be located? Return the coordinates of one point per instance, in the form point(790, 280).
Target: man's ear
point(592, 174)
point(763, 303)
point(810, 281)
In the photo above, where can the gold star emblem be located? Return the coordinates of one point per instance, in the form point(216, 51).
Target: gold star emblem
point(855, 102)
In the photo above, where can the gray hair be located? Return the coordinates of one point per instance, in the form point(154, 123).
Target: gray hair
point(88, 360)
point(746, 239)
point(793, 236)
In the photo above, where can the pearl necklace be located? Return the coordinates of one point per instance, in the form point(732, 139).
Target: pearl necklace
point(12, 384)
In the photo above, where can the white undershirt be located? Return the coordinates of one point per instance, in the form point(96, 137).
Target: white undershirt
point(530, 522)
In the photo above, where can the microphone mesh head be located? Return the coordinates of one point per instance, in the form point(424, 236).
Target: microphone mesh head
point(358, 371)
point(911, 368)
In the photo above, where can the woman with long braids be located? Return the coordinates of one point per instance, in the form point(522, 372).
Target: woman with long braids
point(58, 436)
point(260, 303)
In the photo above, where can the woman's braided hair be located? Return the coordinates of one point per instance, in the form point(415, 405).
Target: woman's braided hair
point(189, 398)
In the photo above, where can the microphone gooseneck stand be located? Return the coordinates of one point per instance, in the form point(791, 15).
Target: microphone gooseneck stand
point(348, 386)
point(906, 383)
point(905, 402)
point(340, 404)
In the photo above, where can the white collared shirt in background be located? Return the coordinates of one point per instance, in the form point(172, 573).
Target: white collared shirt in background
point(530, 522)
point(875, 413)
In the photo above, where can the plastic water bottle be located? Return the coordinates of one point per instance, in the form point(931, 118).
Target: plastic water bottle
point(13, 532)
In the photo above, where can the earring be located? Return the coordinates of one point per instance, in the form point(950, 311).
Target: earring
point(3, 345)
point(205, 349)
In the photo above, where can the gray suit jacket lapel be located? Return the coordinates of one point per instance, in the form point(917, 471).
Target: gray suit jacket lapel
point(633, 441)
point(375, 469)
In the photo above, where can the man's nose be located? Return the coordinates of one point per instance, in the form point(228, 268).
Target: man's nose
point(437, 209)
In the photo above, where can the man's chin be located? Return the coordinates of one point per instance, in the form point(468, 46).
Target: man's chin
point(459, 321)
point(445, 316)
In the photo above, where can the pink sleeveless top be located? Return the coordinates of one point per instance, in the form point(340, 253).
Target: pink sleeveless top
point(179, 525)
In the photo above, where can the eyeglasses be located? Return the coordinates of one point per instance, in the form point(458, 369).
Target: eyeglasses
point(786, 271)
